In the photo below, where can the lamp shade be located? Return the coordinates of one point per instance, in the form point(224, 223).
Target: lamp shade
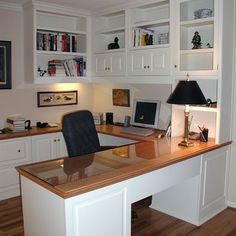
point(187, 93)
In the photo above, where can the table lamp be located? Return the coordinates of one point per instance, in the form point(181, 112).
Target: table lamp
point(187, 93)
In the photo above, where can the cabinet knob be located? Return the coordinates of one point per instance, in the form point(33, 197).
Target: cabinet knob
point(148, 67)
point(18, 150)
point(144, 67)
point(176, 66)
point(58, 140)
point(54, 140)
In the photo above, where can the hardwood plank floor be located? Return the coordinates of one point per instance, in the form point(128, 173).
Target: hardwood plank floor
point(149, 223)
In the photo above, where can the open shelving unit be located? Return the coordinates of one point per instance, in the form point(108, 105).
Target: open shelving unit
point(58, 37)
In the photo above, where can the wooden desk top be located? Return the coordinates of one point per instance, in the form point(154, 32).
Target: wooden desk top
point(69, 177)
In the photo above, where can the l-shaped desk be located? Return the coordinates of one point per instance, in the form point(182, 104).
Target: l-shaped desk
point(92, 195)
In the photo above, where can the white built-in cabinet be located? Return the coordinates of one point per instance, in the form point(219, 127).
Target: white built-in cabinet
point(14, 152)
point(48, 146)
point(110, 64)
point(149, 62)
point(56, 43)
point(143, 31)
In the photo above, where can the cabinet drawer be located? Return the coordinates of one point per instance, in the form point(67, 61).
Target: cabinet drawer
point(14, 151)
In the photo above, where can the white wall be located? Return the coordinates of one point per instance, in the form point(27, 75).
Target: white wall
point(103, 100)
point(22, 98)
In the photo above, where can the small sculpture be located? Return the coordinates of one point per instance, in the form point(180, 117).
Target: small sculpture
point(114, 45)
point(196, 41)
point(209, 45)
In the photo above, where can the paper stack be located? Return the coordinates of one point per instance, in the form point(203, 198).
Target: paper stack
point(16, 123)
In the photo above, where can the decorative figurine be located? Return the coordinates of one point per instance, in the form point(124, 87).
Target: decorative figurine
point(209, 45)
point(196, 41)
point(114, 45)
point(41, 72)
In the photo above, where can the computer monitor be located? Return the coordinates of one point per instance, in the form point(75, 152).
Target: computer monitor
point(146, 113)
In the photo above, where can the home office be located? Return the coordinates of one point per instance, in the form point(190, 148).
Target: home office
point(97, 97)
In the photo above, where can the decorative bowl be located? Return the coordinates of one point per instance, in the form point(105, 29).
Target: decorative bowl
point(203, 13)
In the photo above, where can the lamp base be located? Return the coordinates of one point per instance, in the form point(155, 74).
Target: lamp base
point(186, 143)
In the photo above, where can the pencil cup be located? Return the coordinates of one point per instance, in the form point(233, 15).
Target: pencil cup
point(204, 135)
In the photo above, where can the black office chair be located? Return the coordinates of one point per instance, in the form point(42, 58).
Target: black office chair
point(80, 133)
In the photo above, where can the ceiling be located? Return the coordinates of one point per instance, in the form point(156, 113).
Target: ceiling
point(92, 5)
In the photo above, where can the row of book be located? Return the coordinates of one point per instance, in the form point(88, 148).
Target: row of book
point(142, 37)
point(69, 67)
point(16, 123)
point(60, 42)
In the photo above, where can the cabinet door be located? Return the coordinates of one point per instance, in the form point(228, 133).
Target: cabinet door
point(61, 146)
point(159, 62)
point(118, 64)
point(149, 62)
point(137, 62)
point(103, 64)
point(110, 64)
point(213, 178)
point(44, 147)
point(14, 152)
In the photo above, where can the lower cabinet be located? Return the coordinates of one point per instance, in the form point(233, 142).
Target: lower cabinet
point(48, 146)
point(14, 152)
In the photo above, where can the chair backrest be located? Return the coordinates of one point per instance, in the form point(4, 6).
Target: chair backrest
point(80, 134)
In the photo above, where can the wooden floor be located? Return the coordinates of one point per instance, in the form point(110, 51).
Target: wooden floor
point(149, 223)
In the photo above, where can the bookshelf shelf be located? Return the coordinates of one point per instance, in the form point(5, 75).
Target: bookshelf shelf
point(58, 37)
point(154, 23)
point(198, 22)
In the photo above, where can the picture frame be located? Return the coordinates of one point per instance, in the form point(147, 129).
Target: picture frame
point(5, 65)
point(58, 98)
point(121, 97)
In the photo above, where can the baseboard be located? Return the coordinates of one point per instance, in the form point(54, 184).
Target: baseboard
point(231, 204)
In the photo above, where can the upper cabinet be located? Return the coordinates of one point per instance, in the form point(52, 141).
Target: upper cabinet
point(58, 37)
point(197, 37)
point(140, 33)
point(109, 43)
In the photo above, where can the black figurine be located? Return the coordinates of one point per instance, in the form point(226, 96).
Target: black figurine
point(114, 45)
point(196, 41)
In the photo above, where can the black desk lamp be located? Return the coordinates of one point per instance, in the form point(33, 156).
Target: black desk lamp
point(187, 93)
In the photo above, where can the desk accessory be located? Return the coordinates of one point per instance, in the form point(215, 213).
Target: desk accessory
point(127, 121)
point(98, 118)
point(109, 118)
point(187, 93)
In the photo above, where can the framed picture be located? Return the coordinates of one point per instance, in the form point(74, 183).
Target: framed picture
point(121, 97)
point(48, 99)
point(5, 65)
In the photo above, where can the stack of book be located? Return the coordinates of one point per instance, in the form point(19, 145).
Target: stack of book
point(69, 67)
point(56, 68)
point(16, 123)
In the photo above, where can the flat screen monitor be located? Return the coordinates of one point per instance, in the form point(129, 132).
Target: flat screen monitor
point(146, 113)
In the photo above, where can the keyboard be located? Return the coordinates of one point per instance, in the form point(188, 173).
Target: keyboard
point(137, 131)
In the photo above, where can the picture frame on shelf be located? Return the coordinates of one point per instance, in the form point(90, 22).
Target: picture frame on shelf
point(121, 97)
point(5, 65)
point(58, 98)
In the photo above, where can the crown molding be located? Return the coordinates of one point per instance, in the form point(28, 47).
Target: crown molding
point(10, 6)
